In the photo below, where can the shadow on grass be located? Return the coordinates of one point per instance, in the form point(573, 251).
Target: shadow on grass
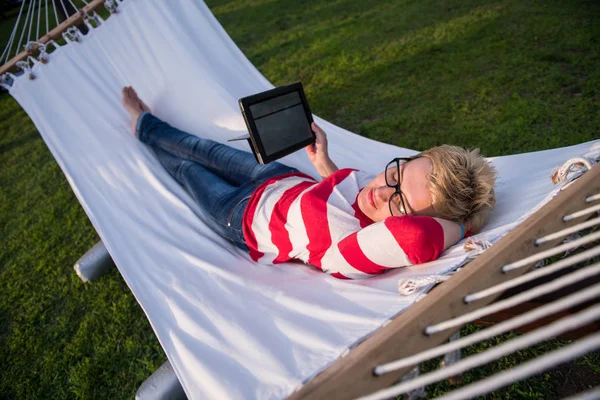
point(22, 140)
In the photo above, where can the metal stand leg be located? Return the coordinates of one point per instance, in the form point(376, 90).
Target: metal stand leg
point(417, 393)
point(161, 385)
point(452, 358)
point(94, 263)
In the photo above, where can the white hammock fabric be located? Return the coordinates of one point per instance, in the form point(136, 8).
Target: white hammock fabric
point(231, 328)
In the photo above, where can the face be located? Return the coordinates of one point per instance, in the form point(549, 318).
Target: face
point(373, 200)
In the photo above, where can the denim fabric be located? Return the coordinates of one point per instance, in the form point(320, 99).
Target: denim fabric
point(220, 178)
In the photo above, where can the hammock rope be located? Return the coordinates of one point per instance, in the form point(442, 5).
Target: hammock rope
point(74, 6)
point(568, 353)
point(592, 198)
point(37, 31)
point(55, 12)
point(47, 24)
point(24, 27)
point(567, 231)
point(64, 8)
point(25, 41)
point(515, 300)
point(538, 273)
point(546, 310)
point(551, 252)
point(12, 35)
point(31, 21)
point(581, 213)
point(548, 332)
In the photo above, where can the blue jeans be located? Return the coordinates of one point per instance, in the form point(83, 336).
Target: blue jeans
point(220, 178)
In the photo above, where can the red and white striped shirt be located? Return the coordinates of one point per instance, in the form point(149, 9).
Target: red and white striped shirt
point(295, 217)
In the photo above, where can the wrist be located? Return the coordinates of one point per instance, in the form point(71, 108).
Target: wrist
point(325, 167)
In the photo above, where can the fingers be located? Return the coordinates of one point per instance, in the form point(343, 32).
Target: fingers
point(317, 129)
point(319, 133)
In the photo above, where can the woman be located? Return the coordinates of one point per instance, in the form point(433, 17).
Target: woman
point(349, 225)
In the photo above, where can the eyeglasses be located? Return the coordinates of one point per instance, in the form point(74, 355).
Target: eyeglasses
point(393, 179)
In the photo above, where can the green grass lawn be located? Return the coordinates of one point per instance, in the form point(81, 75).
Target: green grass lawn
point(506, 76)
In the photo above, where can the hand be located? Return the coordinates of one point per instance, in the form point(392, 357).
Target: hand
point(317, 152)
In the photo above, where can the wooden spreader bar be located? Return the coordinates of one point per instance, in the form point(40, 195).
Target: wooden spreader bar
point(352, 376)
point(54, 34)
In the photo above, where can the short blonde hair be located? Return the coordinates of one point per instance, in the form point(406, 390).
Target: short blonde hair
point(461, 185)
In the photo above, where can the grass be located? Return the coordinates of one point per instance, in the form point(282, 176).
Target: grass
point(506, 76)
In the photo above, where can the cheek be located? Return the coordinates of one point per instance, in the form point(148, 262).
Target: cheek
point(376, 215)
point(423, 200)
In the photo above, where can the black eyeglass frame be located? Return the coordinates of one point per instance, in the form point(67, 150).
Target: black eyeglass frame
point(398, 191)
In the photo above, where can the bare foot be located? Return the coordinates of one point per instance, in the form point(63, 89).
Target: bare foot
point(133, 105)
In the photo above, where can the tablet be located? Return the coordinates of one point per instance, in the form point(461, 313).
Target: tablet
point(278, 121)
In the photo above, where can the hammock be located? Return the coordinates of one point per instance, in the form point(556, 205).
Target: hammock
point(230, 328)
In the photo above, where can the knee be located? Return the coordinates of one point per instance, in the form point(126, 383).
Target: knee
point(181, 169)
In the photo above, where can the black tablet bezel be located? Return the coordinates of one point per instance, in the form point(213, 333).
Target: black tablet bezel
point(246, 102)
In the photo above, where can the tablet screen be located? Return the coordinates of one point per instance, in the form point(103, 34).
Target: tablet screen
point(281, 122)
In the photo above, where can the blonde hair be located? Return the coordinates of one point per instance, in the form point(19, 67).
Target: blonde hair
point(461, 184)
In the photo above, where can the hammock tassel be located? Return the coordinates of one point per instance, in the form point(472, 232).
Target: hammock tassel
point(92, 21)
point(72, 35)
point(475, 246)
point(41, 48)
point(409, 286)
point(576, 165)
point(44, 50)
point(6, 80)
point(111, 6)
point(25, 66)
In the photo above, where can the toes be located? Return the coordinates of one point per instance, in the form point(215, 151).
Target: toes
point(131, 99)
point(127, 94)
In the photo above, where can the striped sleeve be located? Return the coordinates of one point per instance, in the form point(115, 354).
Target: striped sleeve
point(393, 243)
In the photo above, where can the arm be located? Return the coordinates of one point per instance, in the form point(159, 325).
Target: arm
point(393, 243)
point(318, 154)
point(452, 232)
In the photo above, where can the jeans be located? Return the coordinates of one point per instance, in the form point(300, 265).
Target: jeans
point(221, 179)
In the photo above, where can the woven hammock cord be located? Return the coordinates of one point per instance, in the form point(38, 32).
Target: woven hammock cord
point(31, 22)
point(24, 28)
point(64, 9)
point(498, 329)
point(55, 12)
point(524, 371)
point(538, 273)
point(557, 328)
point(12, 35)
point(522, 297)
